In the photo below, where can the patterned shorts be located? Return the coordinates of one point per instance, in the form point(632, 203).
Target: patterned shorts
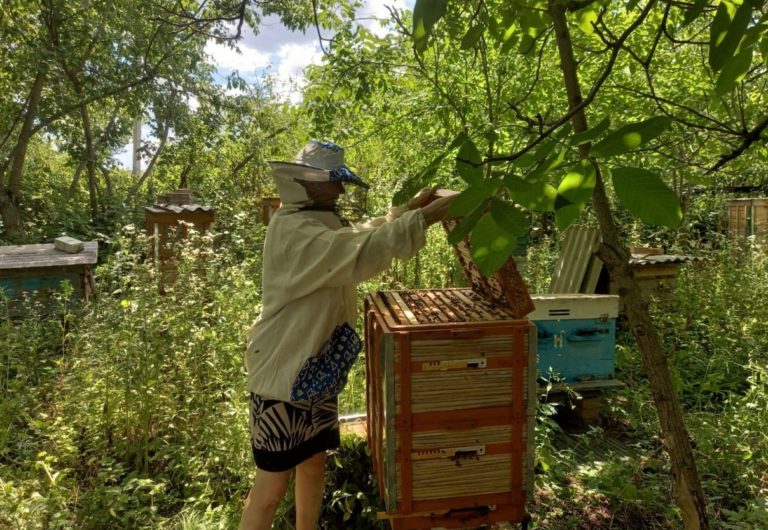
point(284, 434)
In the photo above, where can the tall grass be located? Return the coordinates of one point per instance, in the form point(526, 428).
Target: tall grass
point(132, 413)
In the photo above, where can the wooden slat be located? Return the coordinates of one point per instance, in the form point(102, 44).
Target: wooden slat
point(411, 318)
point(435, 479)
point(459, 348)
point(394, 308)
point(479, 311)
point(433, 391)
point(443, 311)
point(461, 437)
point(45, 255)
point(575, 255)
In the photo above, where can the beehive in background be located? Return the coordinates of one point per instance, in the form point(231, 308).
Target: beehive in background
point(35, 271)
point(746, 218)
point(168, 223)
point(451, 402)
point(269, 206)
point(577, 339)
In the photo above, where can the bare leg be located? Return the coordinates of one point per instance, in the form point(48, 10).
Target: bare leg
point(310, 484)
point(261, 504)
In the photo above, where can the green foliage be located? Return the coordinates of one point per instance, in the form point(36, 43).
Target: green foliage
point(425, 14)
point(646, 196)
point(149, 415)
point(630, 136)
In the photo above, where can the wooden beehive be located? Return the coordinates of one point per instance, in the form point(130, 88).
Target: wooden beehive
point(451, 403)
point(505, 287)
point(168, 222)
point(747, 217)
point(269, 206)
point(36, 271)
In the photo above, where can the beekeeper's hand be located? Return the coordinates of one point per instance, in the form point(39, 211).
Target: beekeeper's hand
point(435, 210)
point(422, 198)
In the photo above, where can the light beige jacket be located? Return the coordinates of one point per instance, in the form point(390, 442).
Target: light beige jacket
point(312, 266)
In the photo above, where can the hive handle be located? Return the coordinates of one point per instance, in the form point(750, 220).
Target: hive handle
point(459, 364)
point(470, 451)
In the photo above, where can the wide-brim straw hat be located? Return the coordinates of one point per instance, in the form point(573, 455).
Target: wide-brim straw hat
point(316, 162)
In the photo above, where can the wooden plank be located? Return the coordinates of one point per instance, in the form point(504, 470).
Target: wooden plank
point(394, 308)
point(597, 384)
point(444, 312)
point(571, 266)
point(479, 312)
point(46, 255)
point(410, 317)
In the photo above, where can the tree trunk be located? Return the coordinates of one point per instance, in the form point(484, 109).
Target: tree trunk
point(90, 159)
point(184, 176)
point(97, 145)
point(147, 172)
point(10, 213)
point(685, 478)
point(10, 194)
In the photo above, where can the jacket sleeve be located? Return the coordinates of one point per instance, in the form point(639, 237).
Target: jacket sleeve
point(395, 212)
point(317, 256)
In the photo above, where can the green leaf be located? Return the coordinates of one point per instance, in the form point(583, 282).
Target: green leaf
point(458, 141)
point(466, 224)
point(527, 45)
point(552, 162)
point(471, 197)
point(733, 72)
point(426, 13)
point(530, 158)
point(491, 134)
point(412, 185)
point(491, 245)
point(694, 11)
point(509, 218)
point(537, 196)
point(566, 215)
point(578, 184)
point(471, 37)
point(646, 196)
point(591, 134)
point(764, 49)
point(586, 18)
point(425, 176)
point(631, 136)
point(466, 161)
point(726, 32)
point(509, 38)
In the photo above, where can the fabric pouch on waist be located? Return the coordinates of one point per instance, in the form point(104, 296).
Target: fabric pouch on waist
point(326, 373)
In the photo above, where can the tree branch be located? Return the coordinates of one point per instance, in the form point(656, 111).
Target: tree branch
point(749, 138)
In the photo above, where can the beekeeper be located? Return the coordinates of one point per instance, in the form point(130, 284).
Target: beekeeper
point(303, 343)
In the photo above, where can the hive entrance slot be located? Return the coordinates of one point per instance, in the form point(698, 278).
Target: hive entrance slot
point(459, 364)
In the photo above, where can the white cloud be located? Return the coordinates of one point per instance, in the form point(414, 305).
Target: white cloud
point(292, 60)
point(373, 12)
point(244, 59)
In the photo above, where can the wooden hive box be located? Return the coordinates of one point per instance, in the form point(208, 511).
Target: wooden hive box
point(38, 270)
point(577, 340)
point(747, 217)
point(505, 287)
point(451, 400)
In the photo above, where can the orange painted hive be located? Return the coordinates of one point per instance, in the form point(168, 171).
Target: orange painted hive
point(451, 403)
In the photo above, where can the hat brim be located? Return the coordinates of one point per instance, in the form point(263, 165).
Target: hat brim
point(315, 174)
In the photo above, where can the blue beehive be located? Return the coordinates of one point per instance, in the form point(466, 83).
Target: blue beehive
point(577, 338)
point(36, 271)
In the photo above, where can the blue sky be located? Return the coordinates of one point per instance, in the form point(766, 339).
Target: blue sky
point(281, 53)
